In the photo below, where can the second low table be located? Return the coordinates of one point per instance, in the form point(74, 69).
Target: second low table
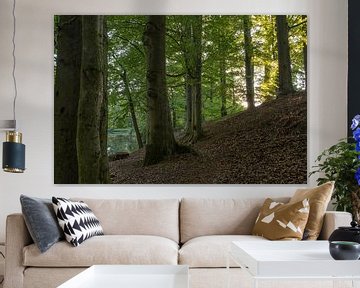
point(292, 260)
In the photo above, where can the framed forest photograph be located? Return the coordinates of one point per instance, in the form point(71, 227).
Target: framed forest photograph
point(180, 99)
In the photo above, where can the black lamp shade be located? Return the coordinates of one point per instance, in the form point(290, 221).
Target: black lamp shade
point(13, 157)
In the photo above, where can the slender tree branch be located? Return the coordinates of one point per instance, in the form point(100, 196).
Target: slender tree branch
point(298, 24)
point(174, 39)
point(175, 75)
point(71, 20)
point(131, 44)
point(132, 24)
point(177, 85)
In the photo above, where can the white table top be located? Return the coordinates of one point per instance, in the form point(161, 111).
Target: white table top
point(291, 259)
point(131, 276)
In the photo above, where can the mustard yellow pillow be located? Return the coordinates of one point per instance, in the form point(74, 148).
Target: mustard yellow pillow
point(319, 198)
point(279, 221)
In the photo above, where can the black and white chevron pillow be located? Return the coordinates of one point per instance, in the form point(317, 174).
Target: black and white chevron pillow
point(77, 220)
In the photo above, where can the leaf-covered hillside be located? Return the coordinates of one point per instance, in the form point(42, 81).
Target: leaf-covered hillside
point(267, 145)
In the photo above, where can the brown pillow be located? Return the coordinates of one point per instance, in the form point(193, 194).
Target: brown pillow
point(319, 198)
point(279, 221)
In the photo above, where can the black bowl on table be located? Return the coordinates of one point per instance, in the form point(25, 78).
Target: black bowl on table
point(344, 250)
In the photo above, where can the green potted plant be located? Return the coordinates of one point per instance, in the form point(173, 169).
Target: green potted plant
point(341, 163)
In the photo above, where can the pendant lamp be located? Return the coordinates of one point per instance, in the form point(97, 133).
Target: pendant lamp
point(13, 149)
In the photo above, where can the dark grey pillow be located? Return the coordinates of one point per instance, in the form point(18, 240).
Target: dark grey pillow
point(41, 221)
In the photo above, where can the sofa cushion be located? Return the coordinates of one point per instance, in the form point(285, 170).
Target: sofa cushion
point(200, 217)
point(279, 221)
point(77, 220)
point(319, 198)
point(41, 221)
point(211, 251)
point(158, 217)
point(107, 249)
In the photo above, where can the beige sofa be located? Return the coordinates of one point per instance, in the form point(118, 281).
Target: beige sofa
point(194, 232)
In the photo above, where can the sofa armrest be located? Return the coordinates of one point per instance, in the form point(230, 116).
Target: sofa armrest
point(333, 220)
point(17, 237)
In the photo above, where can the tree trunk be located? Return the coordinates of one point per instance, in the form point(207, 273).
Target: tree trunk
point(91, 100)
point(186, 43)
point(266, 73)
point(196, 99)
point(282, 33)
point(233, 92)
point(211, 95)
point(161, 141)
point(305, 63)
point(304, 19)
point(192, 51)
point(132, 108)
point(249, 66)
point(104, 160)
point(67, 90)
point(174, 119)
point(223, 85)
point(188, 95)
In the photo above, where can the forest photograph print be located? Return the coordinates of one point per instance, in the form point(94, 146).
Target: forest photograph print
point(180, 99)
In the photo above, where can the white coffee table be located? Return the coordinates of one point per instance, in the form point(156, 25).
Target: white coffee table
point(131, 276)
point(292, 260)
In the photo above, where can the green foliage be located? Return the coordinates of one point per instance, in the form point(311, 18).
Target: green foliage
point(222, 40)
point(297, 41)
point(126, 53)
point(339, 163)
point(265, 57)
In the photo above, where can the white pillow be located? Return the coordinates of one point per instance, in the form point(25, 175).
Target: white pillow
point(76, 220)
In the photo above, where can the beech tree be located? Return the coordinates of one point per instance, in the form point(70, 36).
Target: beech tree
point(285, 79)
point(67, 90)
point(91, 100)
point(249, 66)
point(104, 110)
point(160, 141)
point(187, 44)
point(298, 49)
point(127, 91)
point(265, 56)
point(222, 72)
point(192, 51)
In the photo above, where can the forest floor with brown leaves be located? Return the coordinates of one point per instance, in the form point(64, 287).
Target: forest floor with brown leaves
point(265, 146)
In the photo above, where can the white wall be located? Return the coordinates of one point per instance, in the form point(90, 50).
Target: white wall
point(34, 39)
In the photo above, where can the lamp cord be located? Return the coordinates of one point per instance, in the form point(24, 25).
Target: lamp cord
point(14, 60)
